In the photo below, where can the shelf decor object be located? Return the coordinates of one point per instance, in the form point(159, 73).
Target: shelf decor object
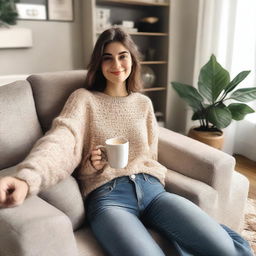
point(149, 24)
point(148, 76)
point(102, 19)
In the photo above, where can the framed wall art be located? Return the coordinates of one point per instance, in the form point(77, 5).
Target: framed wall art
point(60, 10)
point(31, 10)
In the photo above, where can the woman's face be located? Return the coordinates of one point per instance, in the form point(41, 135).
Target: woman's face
point(116, 64)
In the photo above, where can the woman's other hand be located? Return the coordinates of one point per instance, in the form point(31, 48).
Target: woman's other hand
point(13, 191)
point(97, 160)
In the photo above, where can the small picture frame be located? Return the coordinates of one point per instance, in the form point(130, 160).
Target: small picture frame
point(60, 10)
point(31, 11)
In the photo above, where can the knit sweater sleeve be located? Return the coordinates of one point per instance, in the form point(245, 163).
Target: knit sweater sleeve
point(152, 128)
point(59, 152)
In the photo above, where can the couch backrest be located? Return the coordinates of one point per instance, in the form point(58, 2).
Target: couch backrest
point(51, 91)
point(19, 125)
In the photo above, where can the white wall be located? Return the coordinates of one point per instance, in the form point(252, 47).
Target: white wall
point(56, 46)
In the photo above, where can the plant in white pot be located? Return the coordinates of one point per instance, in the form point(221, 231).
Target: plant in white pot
point(8, 13)
point(211, 102)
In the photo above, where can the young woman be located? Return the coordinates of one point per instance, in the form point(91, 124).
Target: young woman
point(120, 202)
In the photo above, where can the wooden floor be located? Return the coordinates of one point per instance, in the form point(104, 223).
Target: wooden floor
point(248, 168)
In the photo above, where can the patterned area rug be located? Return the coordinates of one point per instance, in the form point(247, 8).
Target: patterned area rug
point(249, 232)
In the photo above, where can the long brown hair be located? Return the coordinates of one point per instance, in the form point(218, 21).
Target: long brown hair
point(95, 80)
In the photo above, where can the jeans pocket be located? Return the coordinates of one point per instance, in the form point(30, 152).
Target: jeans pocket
point(103, 190)
point(151, 179)
point(96, 199)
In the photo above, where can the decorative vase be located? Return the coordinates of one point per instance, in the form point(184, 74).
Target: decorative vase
point(211, 138)
point(148, 76)
point(148, 24)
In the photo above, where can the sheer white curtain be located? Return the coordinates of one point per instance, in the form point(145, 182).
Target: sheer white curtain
point(244, 58)
point(227, 28)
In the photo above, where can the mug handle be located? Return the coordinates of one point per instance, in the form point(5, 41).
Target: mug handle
point(103, 151)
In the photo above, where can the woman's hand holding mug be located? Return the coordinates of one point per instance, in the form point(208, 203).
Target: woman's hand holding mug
point(97, 160)
point(115, 152)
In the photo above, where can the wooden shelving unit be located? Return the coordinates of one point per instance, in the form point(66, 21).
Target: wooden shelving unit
point(156, 39)
point(148, 34)
point(153, 62)
point(154, 89)
point(142, 33)
point(131, 2)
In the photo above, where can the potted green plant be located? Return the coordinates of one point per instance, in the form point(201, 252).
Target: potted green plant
point(213, 103)
point(8, 13)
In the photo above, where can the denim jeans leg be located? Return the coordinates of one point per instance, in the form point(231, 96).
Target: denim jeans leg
point(120, 232)
point(240, 243)
point(179, 219)
point(113, 212)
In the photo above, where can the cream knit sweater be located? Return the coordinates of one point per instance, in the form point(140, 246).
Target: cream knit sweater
point(88, 119)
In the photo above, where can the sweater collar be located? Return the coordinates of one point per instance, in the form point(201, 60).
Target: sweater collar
point(113, 98)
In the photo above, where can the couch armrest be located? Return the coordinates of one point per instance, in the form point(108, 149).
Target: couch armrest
point(35, 228)
point(196, 191)
point(195, 159)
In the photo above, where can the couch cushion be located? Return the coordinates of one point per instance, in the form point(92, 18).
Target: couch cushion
point(88, 246)
point(67, 197)
point(11, 171)
point(19, 126)
point(203, 195)
point(51, 91)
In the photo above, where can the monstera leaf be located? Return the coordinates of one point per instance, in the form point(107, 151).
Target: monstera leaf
point(213, 79)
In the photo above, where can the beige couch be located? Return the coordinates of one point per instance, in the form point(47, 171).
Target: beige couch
point(54, 223)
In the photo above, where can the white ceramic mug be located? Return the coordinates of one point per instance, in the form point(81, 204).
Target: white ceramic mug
point(117, 152)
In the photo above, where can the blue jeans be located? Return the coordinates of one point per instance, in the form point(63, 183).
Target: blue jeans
point(119, 210)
